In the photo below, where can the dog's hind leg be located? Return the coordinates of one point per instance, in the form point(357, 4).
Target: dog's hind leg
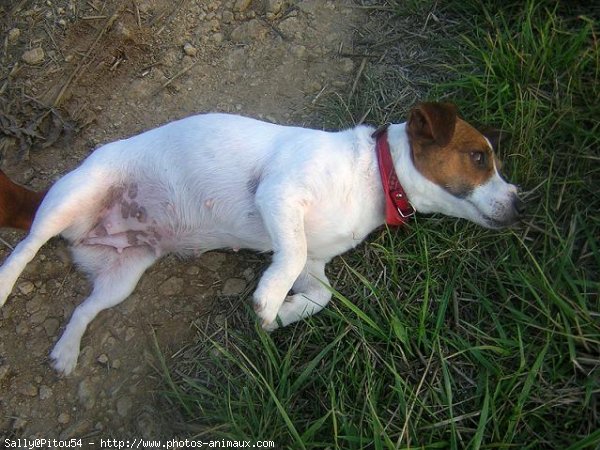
point(72, 198)
point(115, 277)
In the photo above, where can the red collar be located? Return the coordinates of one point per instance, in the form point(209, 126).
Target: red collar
point(397, 207)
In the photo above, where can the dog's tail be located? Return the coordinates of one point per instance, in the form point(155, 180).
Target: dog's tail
point(18, 204)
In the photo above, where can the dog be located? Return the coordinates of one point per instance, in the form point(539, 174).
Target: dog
point(216, 181)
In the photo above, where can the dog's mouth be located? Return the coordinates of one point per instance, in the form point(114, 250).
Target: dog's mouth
point(495, 223)
point(498, 224)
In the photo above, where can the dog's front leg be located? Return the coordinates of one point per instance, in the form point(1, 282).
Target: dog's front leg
point(284, 219)
point(311, 293)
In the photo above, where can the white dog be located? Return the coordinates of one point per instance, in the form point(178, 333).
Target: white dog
point(222, 181)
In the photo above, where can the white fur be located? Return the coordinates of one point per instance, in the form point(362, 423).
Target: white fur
point(222, 181)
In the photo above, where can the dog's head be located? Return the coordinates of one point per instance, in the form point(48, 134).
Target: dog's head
point(460, 160)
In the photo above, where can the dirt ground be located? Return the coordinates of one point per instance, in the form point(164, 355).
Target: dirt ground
point(76, 74)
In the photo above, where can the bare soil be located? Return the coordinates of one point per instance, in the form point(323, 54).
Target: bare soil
point(111, 69)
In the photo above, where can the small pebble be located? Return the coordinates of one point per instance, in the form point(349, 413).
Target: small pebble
point(13, 35)
point(299, 51)
point(129, 334)
point(51, 326)
point(29, 390)
point(347, 65)
point(77, 429)
point(234, 286)
point(124, 405)
point(26, 287)
point(64, 418)
point(189, 49)
point(193, 270)
point(241, 5)
point(86, 394)
point(19, 423)
point(34, 304)
point(122, 30)
point(228, 17)
point(34, 56)
point(45, 392)
point(38, 317)
point(172, 286)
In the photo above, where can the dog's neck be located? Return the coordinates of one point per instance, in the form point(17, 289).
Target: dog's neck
point(422, 193)
point(398, 208)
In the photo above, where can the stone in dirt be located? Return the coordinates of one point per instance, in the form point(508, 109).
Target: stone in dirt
point(34, 304)
point(234, 286)
point(212, 260)
point(124, 405)
point(241, 5)
point(172, 286)
point(248, 32)
point(274, 7)
point(51, 325)
point(13, 35)
point(77, 429)
point(86, 394)
point(34, 56)
point(26, 287)
point(189, 49)
point(45, 392)
point(29, 390)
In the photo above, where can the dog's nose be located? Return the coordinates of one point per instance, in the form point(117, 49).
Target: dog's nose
point(518, 204)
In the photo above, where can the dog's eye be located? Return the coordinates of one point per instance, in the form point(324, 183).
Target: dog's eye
point(478, 158)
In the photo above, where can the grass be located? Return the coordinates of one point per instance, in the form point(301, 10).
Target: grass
point(445, 335)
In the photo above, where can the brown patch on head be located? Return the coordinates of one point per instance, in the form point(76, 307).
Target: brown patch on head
point(433, 122)
point(498, 138)
point(447, 150)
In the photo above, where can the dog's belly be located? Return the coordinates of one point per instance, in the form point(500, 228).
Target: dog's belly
point(146, 214)
point(126, 220)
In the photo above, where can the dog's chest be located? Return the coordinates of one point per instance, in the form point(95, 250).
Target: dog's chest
point(341, 223)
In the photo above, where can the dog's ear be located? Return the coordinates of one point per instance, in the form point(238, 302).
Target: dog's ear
point(433, 122)
point(496, 136)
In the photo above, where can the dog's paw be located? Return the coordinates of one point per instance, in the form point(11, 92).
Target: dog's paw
point(272, 326)
point(265, 311)
point(290, 311)
point(64, 356)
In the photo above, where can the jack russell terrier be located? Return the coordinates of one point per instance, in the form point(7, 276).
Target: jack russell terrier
point(222, 181)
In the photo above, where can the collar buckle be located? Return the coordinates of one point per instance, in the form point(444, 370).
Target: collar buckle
point(406, 210)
